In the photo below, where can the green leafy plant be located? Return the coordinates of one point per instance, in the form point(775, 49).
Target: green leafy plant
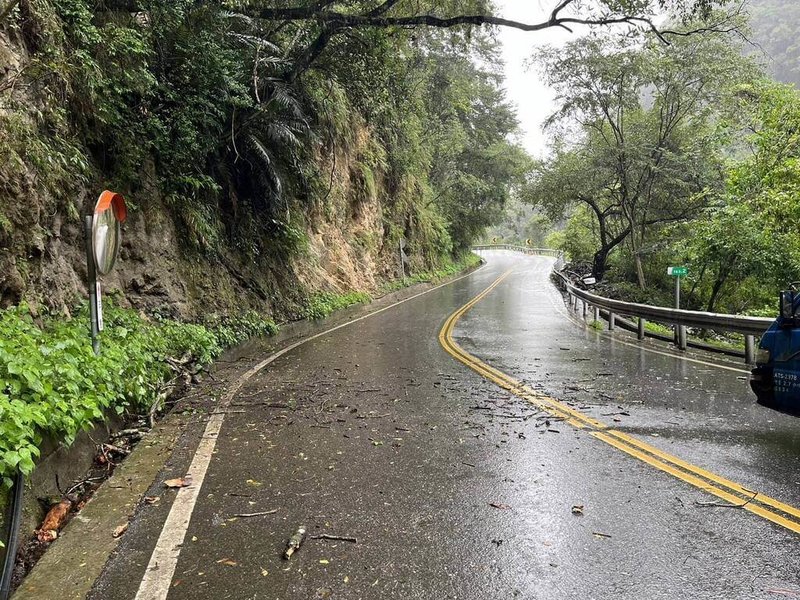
point(450, 268)
point(233, 330)
point(53, 385)
point(322, 304)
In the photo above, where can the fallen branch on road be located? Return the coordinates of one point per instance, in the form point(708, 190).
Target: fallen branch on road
point(256, 514)
point(725, 505)
point(339, 538)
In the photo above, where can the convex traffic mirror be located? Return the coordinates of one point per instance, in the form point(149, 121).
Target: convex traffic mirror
point(109, 212)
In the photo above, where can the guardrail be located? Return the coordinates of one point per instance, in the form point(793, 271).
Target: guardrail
point(523, 249)
point(751, 327)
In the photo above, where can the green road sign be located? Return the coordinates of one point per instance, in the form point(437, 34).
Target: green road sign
point(677, 271)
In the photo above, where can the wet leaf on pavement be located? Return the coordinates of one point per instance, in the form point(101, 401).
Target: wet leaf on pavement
point(179, 482)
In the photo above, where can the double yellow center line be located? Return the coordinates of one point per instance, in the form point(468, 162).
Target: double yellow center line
point(769, 508)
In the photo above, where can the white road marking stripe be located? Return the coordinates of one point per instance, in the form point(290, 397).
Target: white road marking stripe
point(157, 578)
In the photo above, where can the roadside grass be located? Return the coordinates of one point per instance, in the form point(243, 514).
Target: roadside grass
point(731, 341)
point(323, 304)
point(467, 261)
point(657, 328)
point(728, 342)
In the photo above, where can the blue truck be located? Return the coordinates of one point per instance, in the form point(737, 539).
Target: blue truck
point(776, 376)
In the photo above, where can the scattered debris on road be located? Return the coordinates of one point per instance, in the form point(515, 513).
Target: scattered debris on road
point(783, 592)
point(577, 509)
point(704, 504)
point(256, 514)
point(340, 538)
point(179, 482)
point(227, 561)
point(294, 542)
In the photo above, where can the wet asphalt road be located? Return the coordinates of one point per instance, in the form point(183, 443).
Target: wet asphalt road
point(374, 432)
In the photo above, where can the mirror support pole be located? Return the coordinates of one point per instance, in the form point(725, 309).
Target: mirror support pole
point(92, 283)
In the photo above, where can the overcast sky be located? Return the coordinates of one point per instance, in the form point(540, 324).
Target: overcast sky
point(533, 99)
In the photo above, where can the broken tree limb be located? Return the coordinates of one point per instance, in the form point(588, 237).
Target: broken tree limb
point(703, 504)
point(340, 538)
point(256, 514)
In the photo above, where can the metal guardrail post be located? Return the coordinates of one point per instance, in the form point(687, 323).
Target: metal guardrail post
point(611, 318)
point(681, 337)
point(750, 349)
point(640, 332)
point(585, 308)
point(596, 313)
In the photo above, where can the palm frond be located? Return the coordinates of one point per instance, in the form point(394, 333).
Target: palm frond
point(237, 16)
point(254, 41)
point(282, 134)
point(261, 150)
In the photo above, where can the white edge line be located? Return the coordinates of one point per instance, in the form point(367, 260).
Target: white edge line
point(158, 575)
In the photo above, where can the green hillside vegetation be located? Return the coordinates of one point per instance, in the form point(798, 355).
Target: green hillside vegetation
point(213, 107)
point(224, 122)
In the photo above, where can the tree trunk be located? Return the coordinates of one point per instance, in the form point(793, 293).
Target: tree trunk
point(599, 265)
point(690, 295)
point(715, 290)
point(637, 256)
point(639, 270)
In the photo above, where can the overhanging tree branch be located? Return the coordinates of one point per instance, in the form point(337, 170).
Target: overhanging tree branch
point(371, 20)
point(376, 18)
point(333, 22)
